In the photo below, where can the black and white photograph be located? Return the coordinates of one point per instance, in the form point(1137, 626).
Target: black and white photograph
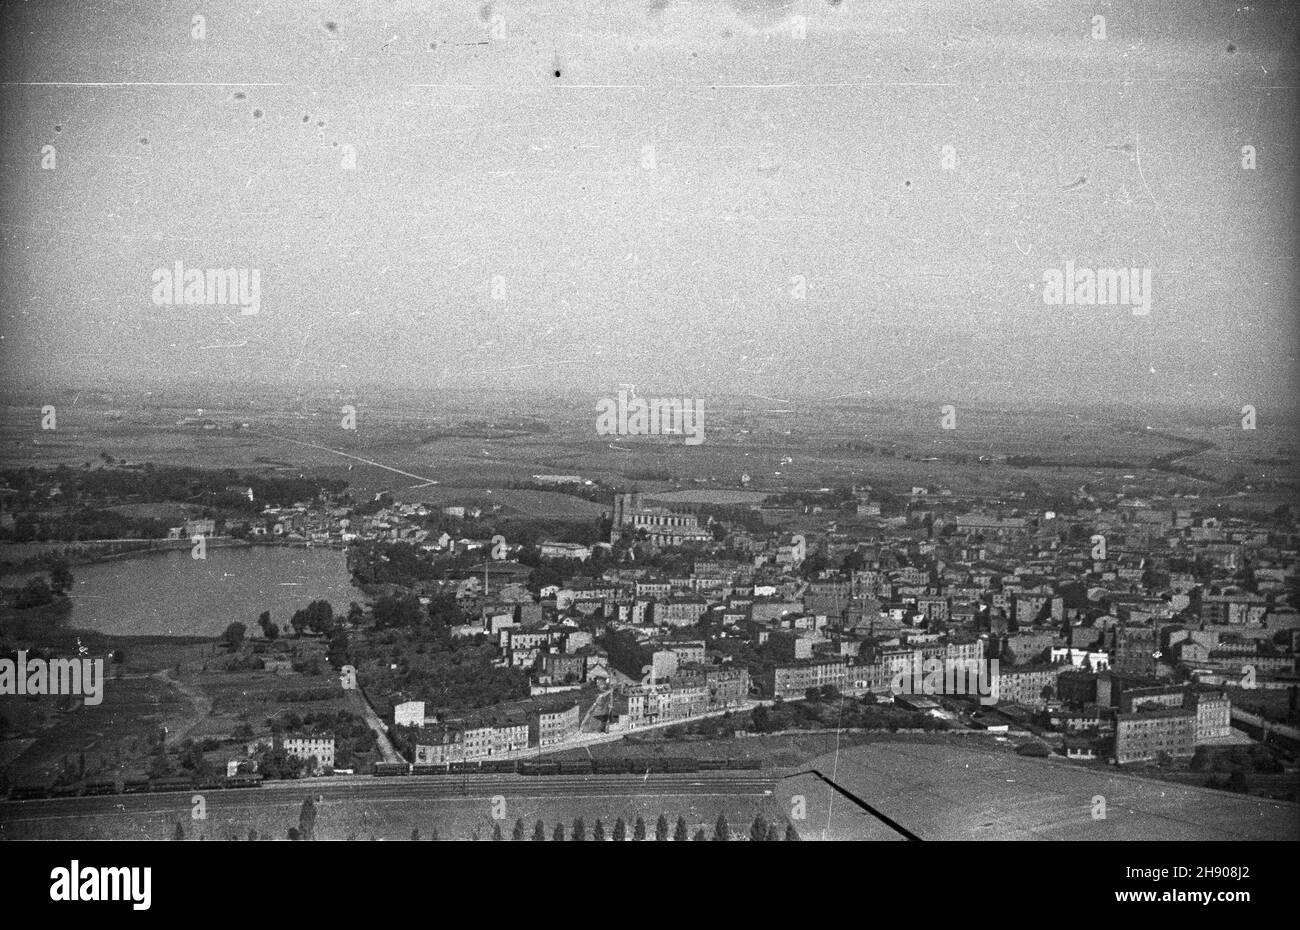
point(650, 421)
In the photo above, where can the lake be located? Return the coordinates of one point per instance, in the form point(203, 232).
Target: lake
point(171, 594)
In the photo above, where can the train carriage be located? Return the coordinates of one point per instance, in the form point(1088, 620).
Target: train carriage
point(576, 767)
point(245, 780)
point(96, 786)
point(612, 766)
point(539, 768)
point(29, 792)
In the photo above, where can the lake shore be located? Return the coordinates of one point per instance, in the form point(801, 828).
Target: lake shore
point(96, 551)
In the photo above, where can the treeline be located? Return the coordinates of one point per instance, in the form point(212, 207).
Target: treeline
point(596, 493)
point(225, 488)
point(37, 592)
point(83, 523)
point(826, 709)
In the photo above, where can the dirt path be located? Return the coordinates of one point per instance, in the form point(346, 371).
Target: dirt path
point(202, 706)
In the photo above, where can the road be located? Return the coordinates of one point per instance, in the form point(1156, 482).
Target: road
point(362, 707)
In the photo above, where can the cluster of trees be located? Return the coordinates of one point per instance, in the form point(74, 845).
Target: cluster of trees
point(374, 563)
point(456, 674)
point(392, 611)
point(825, 710)
point(38, 592)
point(270, 629)
point(404, 611)
point(801, 499)
point(316, 617)
point(274, 762)
point(81, 491)
point(190, 756)
point(596, 492)
point(1236, 783)
point(80, 524)
point(167, 482)
point(1235, 759)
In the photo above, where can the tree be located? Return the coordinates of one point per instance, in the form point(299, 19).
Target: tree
point(773, 834)
point(558, 835)
point(638, 831)
point(415, 835)
point(269, 629)
point(721, 832)
point(319, 617)
point(307, 819)
point(36, 593)
point(758, 829)
point(234, 635)
point(518, 834)
point(539, 832)
point(661, 829)
point(620, 830)
point(700, 836)
point(179, 834)
point(160, 766)
point(496, 832)
point(598, 832)
point(791, 834)
point(294, 835)
point(680, 835)
point(392, 611)
point(60, 577)
point(579, 830)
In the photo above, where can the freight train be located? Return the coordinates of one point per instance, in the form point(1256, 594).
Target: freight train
point(133, 785)
point(620, 766)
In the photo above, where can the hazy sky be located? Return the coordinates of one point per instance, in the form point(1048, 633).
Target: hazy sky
point(789, 139)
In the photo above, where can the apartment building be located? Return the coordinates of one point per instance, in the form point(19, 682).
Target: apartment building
point(321, 748)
